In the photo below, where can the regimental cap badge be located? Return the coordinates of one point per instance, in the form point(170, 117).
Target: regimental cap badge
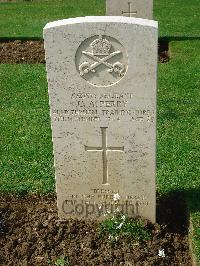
point(100, 46)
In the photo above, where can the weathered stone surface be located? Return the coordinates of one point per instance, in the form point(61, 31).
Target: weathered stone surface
point(102, 74)
point(130, 8)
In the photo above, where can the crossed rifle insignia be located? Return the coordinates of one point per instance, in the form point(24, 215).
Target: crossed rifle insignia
point(117, 67)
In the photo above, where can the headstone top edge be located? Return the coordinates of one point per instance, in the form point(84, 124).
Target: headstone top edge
point(103, 19)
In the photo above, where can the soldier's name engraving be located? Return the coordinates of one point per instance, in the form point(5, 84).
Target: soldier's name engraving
point(91, 107)
point(95, 104)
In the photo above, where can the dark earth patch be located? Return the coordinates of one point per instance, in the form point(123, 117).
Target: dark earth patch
point(19, 52)
point(32, 234)
point(32, 52)
point(163, 50)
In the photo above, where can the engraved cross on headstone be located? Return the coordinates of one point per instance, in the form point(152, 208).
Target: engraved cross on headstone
point(130, 12)
point(104, 149)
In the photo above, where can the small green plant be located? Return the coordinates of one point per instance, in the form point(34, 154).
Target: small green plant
point(123, 226)
point(61, 261)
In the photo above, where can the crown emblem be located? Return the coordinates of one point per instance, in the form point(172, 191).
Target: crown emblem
point(100, 46)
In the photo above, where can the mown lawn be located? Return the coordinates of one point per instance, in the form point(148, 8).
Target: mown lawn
point(178, 164)
point(178, 119)
point(26, 162)
point(177, 18)
point(27, 19)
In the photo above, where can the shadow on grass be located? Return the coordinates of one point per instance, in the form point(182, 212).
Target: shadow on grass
point(10, 39)
point(193, 200)
point(165, 39)
point(172, 212)
point(174, 209)
point(178, 38)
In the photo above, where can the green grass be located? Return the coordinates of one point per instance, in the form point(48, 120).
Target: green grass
point(178, 119)
point(177, 18)
point(27, 19)
point(26, 162)
point(25, 141)
point(178, 157)
point(193, 200)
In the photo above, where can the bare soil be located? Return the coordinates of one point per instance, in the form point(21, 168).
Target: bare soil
point(32, 234)
point(32, 52)
point(163, 51)
point(19, 52)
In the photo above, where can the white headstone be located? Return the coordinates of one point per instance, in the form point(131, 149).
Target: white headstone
point(102, 74)
point(130, 8)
